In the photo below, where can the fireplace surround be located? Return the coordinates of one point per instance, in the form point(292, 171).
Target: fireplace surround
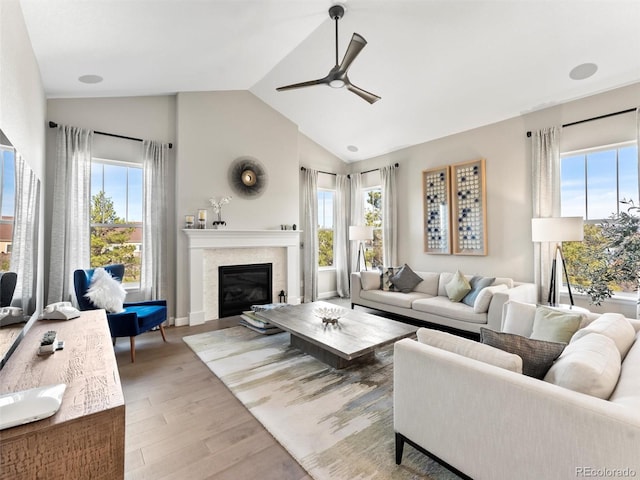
point(240, 286)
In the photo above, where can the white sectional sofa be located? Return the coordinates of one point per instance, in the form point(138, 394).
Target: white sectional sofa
point(428, 301)
point(492, 423)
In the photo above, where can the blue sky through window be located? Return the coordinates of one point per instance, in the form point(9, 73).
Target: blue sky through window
point(123, 185)
point(325, 209)
point(8, 184)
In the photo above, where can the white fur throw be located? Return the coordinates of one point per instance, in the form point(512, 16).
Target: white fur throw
point(106, 292)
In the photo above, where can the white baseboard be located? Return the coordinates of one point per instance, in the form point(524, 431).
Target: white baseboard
point(181, 321)
point(325, 295)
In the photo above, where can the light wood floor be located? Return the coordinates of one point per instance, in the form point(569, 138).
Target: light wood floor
point(182, 421)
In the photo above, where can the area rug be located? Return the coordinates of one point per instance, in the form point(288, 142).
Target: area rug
point(338, 424)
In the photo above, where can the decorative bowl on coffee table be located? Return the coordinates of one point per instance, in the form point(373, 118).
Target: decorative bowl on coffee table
point(329, 315)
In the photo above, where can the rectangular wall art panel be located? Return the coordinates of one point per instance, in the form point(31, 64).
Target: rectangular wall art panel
point(436, 204)
point(469, 208)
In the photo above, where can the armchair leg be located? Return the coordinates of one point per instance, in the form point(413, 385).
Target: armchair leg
point(399, 448)
point(162, 332)
point(132, 341)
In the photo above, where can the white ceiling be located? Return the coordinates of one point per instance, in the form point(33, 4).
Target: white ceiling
point(441, 67)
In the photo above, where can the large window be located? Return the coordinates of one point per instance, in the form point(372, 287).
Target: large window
point(116, 216)
point(593, 184)
point(373, 218)
point(325, 227)
point(7, 204)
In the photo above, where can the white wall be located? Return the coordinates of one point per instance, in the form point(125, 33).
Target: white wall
point(22, 104)
point(506, 149)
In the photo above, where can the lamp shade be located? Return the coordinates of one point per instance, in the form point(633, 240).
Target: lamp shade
point(557, 229)
point(360, 232)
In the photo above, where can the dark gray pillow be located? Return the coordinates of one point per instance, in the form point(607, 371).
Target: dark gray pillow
point(537, 355)
point(406, 279)
point(477, 283)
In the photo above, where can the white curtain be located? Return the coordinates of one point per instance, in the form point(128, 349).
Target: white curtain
point(545, 155)
point(25, 229)
point(70, 227)
point(153, 280)
point(389, 216)
point(310, 233)
point(357, 215)
point(341, 231)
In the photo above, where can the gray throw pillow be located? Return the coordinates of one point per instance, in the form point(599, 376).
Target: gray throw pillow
point(477, 283)
point(537, 355)
point(406, 279)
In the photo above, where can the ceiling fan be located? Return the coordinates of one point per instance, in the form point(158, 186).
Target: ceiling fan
point(337, 76)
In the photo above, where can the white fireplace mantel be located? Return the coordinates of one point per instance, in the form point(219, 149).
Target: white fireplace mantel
point(200, 240)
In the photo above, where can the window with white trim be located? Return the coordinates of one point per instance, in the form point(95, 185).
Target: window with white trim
point(7, 204)
point(325, 227)
point(372, 198)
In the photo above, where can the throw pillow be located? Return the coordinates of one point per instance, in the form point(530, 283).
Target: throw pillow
point(106, 292)
point(406, 279)
point(477, 283)
point(537, 355)
point(370, 280)
point(483, 300)
point(458, 287)
point(590, 365)
point(554, 325)
point(470, 349)
point(612, 325)
point(517, 318)
point(387, 273)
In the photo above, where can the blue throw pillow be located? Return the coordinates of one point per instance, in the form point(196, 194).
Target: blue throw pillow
point(477, 283)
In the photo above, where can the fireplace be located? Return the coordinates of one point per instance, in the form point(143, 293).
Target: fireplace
point(240, 286)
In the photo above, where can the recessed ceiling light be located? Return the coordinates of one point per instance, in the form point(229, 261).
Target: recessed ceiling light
point(352, 148)
point(583, 71)
point(90, 79)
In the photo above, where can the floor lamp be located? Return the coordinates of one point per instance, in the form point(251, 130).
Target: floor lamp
point(558, 230)
point(360, 233)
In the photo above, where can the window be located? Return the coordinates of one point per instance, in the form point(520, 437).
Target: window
point(325, 227)
point(7, 204)
point(373, 218)
point(116, 216)
point(593, 183)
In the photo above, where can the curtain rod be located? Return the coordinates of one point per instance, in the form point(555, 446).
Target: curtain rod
point(54, 125)
point(396, 165)
point(606, 115)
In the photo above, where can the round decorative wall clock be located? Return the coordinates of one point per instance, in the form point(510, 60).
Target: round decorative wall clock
point(247, 177)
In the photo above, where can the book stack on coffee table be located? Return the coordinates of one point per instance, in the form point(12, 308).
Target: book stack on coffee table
point(250, 320)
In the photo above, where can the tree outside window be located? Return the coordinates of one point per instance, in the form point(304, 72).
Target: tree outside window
point(116, 217)
point(325, 227)
point(373, 218)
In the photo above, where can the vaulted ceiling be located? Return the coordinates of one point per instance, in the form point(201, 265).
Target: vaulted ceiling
point(441, 67)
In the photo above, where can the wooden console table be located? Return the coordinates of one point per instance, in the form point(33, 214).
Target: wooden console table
point(85, 438)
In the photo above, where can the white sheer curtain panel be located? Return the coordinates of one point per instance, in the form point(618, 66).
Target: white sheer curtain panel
point(389, 216)
point(545, 156)
point(357, 215)
point(153, 280)
point(310, 234)
point(24, 240)
point(70, 221)
point(341, 231)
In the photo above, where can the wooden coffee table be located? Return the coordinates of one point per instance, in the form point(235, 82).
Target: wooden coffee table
point(352, 340)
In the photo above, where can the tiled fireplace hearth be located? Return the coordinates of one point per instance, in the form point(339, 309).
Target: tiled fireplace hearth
point(209, 249)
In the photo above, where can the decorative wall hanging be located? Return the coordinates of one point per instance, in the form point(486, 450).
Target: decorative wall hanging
point(247, 177)
point(436, 206)
point(469, 208)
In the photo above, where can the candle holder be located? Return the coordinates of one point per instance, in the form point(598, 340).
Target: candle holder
point(189, 221)
point(202, 219)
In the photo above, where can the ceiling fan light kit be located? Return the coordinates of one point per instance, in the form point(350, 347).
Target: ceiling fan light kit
point(337, 76)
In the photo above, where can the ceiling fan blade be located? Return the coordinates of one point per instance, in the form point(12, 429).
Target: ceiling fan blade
point(368, 96)
point(355, 46)
point(310, 83)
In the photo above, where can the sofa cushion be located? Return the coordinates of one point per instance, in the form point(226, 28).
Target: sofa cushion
point(387, 273)
point(406, 279)
point(483, 300)
point(470, 349)
point(537, 355)
point(444, 307)
point(396, 299)
point(612, 325)
point(370, 280)
point(554, 325)
point(477, 283)
point(627, 390)
point(429, 283)
point(457, 287)
point(590, 365)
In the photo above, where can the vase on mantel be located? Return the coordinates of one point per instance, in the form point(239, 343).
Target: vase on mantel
point(219, 223)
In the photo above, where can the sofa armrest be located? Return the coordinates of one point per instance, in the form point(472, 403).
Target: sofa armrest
point(356, 288)
point(450, 405)
point(524, 292)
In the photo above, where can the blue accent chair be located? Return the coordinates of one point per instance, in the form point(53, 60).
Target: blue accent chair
point(138, 317)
